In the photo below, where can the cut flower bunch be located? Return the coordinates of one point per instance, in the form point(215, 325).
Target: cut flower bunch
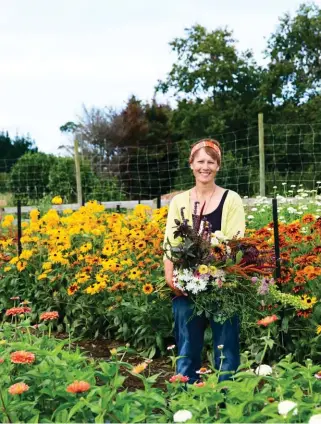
point(222, 277)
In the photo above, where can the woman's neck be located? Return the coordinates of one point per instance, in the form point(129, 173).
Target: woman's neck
point(202, 190)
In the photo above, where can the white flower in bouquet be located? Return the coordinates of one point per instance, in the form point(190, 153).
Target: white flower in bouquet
point(214, 240)
point(187, 281)
point(287, 406)
point(220, 236)
point(182, 415)
point(263, 370)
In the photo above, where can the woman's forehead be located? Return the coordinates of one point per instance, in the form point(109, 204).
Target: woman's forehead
point(201, 154)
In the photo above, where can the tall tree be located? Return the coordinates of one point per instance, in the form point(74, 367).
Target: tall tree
point(219, 85)
point(134, 145)
point(294, 52)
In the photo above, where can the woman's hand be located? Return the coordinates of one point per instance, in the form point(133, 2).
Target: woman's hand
point(169, 268)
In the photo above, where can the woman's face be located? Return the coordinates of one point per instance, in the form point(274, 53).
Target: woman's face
point(204, 167)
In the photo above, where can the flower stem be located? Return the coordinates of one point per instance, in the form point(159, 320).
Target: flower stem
point(4, 408)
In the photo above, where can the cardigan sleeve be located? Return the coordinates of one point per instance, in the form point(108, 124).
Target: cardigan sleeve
point(173, 213)
point(235, 219)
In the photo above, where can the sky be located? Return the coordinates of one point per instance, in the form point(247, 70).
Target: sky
point(59, 55)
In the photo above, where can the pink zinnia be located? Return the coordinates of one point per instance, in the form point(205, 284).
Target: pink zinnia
point(18, 388)
point(47, 316)
point(22, 357)
point(78, 387)
point(18, 310)
point(179, 378)
point(267, 320)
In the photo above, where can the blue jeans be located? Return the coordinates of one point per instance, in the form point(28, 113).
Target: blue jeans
point(189, 334)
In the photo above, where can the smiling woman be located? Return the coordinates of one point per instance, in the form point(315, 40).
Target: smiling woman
point(224, 211)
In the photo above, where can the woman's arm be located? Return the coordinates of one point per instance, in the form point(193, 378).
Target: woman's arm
point(169, 268)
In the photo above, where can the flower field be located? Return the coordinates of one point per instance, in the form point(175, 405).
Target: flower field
point(92, 274)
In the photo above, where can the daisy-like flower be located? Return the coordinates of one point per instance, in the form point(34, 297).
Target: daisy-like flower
point(49, 316)
point(170, 347)
point(267, 320)
point(319, 329)
point(309, 301)
point(18, 388)
point(318, 375)
point(78, 387)
point(139, 368)
point(148, 288)
point(203, 370)
point(22, 357)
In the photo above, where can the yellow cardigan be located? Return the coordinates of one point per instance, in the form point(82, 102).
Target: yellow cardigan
point(233, 217)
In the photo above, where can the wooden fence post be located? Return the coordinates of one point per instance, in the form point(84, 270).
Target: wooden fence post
point(78, 174)
point(261, 154)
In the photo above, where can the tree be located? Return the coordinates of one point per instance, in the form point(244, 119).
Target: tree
point(219, 85)
point(29, 177)
point(12, 149)
point(294, 53)
point(133, 145)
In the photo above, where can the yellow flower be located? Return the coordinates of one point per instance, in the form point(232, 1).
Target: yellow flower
point(86, 247)
point(113, 351)
point(8, 221)
point(57, 200)
point(7, 268)
point(34, 214)
point(134, 274)
point(309, 301)
point(21, 265)
point(319, 329)
point(213, 269)
point(203, 269)
point(42, 276)
point(47, 265)
point(26, 254)
point(14, 260)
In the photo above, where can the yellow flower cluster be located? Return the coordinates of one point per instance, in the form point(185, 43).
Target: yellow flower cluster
point(91, 251)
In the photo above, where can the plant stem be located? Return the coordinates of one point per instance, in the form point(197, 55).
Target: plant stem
point(266, 345)
point(4, 408)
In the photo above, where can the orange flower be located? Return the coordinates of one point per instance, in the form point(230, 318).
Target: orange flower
point(78, 387)
point(148, 288)
point(1, 360)
point(18, 310)
point(118, 286)
point(72, 289)
point(22, 357)
point(18, 388)
point(307, 218)
point(299, 279)
point(139, 368)
point(47, 316)
point(267, 320)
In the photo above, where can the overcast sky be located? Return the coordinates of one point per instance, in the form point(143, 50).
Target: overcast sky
point(58, 55)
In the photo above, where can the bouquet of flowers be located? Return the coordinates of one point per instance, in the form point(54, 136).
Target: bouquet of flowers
point(222, 277)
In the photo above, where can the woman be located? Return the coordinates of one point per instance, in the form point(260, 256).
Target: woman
point(224, 210)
